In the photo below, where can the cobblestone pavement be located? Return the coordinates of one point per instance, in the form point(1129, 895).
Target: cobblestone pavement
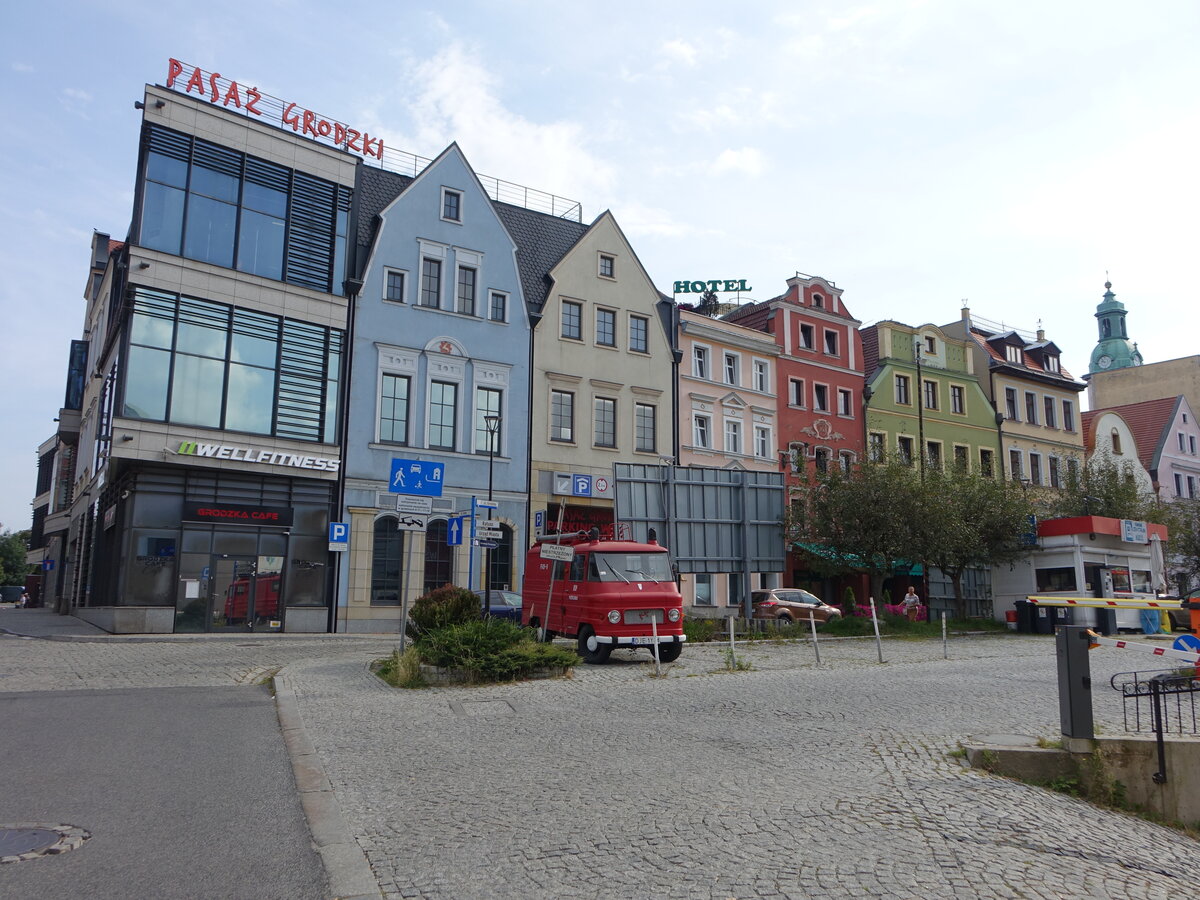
point(784, 781)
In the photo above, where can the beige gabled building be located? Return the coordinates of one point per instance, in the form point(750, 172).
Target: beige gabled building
point(603, 379)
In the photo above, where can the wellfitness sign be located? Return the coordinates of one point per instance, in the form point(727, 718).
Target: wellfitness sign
point(251, 456)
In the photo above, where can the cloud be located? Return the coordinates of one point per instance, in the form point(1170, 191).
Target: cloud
point(679, 51)
point(76, 94)
point(22, 67)
point(747, 160)
point(638, 220)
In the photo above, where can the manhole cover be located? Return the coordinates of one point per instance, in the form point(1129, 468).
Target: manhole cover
point(21, 842)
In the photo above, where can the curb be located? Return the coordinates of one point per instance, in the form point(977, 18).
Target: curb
point(347, 871)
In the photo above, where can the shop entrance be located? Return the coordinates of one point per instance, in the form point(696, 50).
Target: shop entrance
point(244, 593)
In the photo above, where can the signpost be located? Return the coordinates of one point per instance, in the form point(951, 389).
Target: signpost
point(417, 476)
point(419, 481)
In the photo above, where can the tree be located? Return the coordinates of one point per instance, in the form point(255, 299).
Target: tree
point(13, 546)
point(709, 304)
point(1102, 487)
point(1182, 518)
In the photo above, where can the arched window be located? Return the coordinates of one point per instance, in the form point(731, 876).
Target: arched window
point(501, 578)
point(387, 562)
point(439, 557)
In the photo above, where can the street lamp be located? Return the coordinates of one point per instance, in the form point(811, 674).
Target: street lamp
point(492, 423)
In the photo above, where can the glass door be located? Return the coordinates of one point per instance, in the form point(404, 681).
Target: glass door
point(231, 585)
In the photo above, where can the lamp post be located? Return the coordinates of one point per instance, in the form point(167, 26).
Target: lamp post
point(492, 423)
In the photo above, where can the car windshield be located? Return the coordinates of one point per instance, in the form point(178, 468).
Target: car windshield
point(630, 567)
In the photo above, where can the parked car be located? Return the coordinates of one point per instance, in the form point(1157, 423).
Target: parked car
point(786, 605)
point(504, 604)
point(1181, 617)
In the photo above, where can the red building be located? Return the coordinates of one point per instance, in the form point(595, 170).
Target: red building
point(820, 391)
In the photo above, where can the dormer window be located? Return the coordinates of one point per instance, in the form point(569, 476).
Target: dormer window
point(1015, 354)
point(451, 205)
point(818, 301)
point(930, 344)
point(1051, 363)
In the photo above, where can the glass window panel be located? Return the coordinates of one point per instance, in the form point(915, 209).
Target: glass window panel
point(210, 228)
point(162, 217)
point(196, 391)
point(211, 183)
point(146, 383)
point(152, 330)
point(251, 399)
point(203, 328)
point(260, 245)
point(239, 542)
point(487, 403)
point(265, 199)
point(255, 350)
point(393, 409)
point(443, 408)
point(387, 557)
point(166, 169)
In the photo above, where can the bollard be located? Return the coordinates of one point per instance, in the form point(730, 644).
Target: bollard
point(875, 622)
point(732, 647)
point(1074, 684)
point(812, 626)
point(945, 652)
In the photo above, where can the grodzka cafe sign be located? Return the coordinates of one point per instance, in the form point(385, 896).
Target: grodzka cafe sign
point(218, 90)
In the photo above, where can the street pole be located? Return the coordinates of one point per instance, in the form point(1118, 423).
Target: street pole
point(493, 429)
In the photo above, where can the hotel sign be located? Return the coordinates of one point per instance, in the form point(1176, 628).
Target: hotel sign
point(218, 90)
point(699, 287)
point(249, 456)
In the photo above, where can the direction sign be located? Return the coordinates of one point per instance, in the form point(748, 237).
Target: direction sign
point(486, 543)
point(406, 503)
point(417, 476)
point(411, 522)
point(562, 552)
point(486, 504)
point(493, 533)
point(454, 531)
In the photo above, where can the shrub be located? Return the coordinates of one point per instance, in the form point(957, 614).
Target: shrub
point(402, 670)
point(849, 602)
point(699, 631)
point(849, 626)
point(490, 650)
point(447, 605)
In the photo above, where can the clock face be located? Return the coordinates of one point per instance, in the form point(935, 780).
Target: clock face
point(1105, 361)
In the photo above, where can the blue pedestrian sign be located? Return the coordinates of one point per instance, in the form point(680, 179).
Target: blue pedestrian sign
point(417, 476)
point(581, 485)
point(454, 531)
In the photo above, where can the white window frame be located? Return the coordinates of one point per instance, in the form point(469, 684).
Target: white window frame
point(898, 381)
point(733, 436)
point(927, 394)
point(701, 352)
point(702, 431)
point(388, 271)
point(812, 336)
point(797, 396)
point(507, 300)
point(442, 209)
point(731, 368)
point(876, 446)
point(958, 400)
point(845, 403)
point(828, 333)
point(762, 441)
point(612, 259)
point(817, 405)
point(761, 373)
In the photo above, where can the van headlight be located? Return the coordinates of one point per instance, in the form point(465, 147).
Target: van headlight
point(614, 616)
point(673, 615)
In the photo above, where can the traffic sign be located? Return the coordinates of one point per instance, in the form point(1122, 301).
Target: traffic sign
point(539, 520)
point(581, 485)
point(411, 522)
point(406, 503)
point(493, 533)
point(454, 532)
point(339, 536)
point(486, 504)
point(486, 543)
point(562, 552)
point(417, 476)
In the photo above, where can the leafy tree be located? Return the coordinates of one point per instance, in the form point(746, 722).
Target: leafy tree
point(1102, 487)
point(13, 546)
point(1182, 518)
point(709, 305)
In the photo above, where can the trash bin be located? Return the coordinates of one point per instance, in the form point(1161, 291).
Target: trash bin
point(1026, 613)
point(1043, 619)
point(1010, 617)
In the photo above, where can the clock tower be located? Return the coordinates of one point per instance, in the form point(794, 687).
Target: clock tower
point(1113, 350)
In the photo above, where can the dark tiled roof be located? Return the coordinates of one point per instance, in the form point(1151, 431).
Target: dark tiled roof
point(542, 240)
point(870, 341)
point(751, 315)
point(376, 189)
point(1150, 421)
point(1034, 353)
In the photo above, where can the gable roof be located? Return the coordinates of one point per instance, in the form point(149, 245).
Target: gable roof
point(1150, 423)
point(542, 240)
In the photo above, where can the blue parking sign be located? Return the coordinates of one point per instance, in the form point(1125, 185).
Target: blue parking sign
point(581, 485)
point(417, 476)
point(339, 533)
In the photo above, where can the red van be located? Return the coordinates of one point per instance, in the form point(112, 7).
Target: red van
point(610, 594)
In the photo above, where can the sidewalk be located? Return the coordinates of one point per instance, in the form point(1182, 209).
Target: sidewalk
point(45, 623)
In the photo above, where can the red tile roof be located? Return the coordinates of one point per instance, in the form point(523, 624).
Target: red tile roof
point(1150, 422)
point(1033, 361)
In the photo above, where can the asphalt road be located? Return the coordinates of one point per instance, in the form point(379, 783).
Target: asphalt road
point(187, 791)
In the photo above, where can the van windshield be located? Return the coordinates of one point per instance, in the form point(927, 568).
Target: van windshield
point(629, 567)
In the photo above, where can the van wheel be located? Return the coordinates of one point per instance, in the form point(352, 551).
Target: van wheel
point(590, 649)
point(669, 652)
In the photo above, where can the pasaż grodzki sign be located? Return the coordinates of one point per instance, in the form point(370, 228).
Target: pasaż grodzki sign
point(218, 90)
point(230, 514)
point(250, 456)
point(699, 287)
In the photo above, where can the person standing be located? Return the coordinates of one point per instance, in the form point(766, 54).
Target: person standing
point(911, 604)
point(24, 601)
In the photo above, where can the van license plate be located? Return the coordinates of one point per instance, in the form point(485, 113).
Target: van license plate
point(642, 640)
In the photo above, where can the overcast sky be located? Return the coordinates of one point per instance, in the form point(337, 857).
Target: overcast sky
point(918, 154)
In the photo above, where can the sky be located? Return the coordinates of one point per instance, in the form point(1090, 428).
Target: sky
point(918, 153)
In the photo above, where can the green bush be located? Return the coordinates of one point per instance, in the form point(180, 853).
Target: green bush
point(402, 670)
point(849, 626)
point(849, 601)
point(698, 631)
point(444, 606)
point(490, 650)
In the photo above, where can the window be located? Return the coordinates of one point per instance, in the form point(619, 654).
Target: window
point(902, 396)
point(439, 555)
point(572, 320)
point(393, 409)
point(498, 306)
point(431, 283)
point(905, 446)
point(1058, 578)
point(1015, 465)
point(1116, 441)
point(702, 431)
point(645, 423)
point(466, 290)
point(443, 415)
point(393, 288)
point(1178, 485)
point(762, 442)
point(700, 362)
point(488, 402)
point(796, 394)
point(1049, 409)
point(821, 460)
point(1192, 444)
point(387, 562)
point(195, 362)
point(958, 402)
point(608, 266)
point(1010, 403)
point(704, 592)
point(821, 397)
point(731, 368)
point(1031, 408)
point(844, 402)
point(847, 460)
point(562, 416)
point(639, 332)
point(1035, 468)
point(213, 204)
point(931, 394)
point(831, 343)
point(733, 436)
point(1068, 415)
point(987, 464)
point(606, 328)
point(451, 205)
point(760, 375)
point(962, 457)
point(734, 585)
point(875, 446)
point(1191, 484)
point(806, 337)
point(605, 429)
point(1073, 470)
point(818, 301)
point(1055, 477)
point(1051, 363)
point(933, 454)
point(1014, 354)
point(930, 344)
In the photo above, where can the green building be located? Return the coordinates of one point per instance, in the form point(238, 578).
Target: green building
point(1114, 349)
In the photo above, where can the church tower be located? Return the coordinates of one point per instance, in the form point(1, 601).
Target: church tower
point(1113, 350)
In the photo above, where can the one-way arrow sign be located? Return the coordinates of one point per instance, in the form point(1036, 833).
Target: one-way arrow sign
point(454, 536)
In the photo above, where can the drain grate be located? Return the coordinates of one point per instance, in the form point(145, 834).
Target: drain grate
point(22, 842)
